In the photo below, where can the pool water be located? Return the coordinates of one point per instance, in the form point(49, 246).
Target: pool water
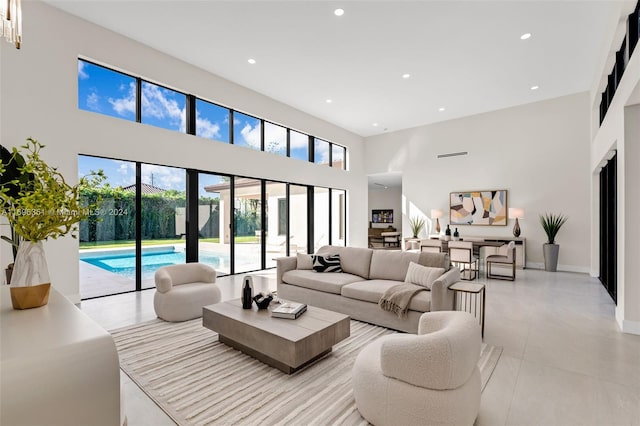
point(125, 263)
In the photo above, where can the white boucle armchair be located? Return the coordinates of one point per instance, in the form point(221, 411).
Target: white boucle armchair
point(183, 290)
point(424, 379)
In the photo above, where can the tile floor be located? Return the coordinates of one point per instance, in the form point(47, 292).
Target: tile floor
point(564, 363)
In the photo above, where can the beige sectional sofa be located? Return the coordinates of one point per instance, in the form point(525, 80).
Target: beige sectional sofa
point(366, 275)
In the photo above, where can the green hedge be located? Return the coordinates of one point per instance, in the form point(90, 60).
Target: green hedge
point(115, 219)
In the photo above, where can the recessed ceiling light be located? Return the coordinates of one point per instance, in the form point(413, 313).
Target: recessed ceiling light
point(441, 109)
point(338, 12)
point(525, 36)
point(251, 61)
point(406, 75)
point(328, 101)
point(535, 87)
point(375, 124)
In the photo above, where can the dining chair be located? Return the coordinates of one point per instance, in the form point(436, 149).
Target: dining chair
point(431, 246)
point(390, 239)
point(506, 256)
point(461, 255)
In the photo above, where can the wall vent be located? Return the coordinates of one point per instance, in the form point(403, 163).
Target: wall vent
point(452, 154)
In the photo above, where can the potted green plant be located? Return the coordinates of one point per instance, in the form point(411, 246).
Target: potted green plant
point(12, 163)
point(551, 223)
point(39, 204)
point(416, 223)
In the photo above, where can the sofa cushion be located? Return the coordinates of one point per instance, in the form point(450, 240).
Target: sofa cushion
point(304, 261)
point(326, 263)
point(329, 282)
point(372, 291)
point(391, 265)
point(422, 275)
point(354, 260)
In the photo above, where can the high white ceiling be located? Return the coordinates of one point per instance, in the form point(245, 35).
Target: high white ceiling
point(465, 56)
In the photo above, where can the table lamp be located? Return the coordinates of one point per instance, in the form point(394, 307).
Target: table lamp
point(516, 214)
point(436, 214)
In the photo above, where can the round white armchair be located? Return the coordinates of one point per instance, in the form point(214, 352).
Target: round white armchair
point(183, 290)
point(424, 379)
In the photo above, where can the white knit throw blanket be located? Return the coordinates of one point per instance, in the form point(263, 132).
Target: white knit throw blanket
point(397, 298)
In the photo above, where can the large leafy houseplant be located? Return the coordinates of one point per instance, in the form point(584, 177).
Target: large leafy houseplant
point(416, 223)
point(551, 223)
point(39, 204)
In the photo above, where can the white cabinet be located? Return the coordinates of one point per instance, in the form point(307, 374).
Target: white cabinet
point(57, 366)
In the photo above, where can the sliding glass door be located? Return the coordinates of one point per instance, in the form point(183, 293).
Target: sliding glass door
point(608, 228)
point(163, 225)
point(152, 216)
point(338, 211)
point(214, 244)
point(320, 217)
point(298, 223)
point(107, 237)
point(277, 218)
point(247, 215)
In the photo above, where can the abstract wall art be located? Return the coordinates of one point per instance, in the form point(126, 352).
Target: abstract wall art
point(478, 208)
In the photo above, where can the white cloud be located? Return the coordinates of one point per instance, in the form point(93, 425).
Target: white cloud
point(81, 72)
point(127, 104)
point(275, 138)
point(163, 177)
point(298, 140)
point(156, 104)
point(93, 101)
point(251, 135)
point(207, 129)
point(323, 149)
point(125, 167)
point(338, 154)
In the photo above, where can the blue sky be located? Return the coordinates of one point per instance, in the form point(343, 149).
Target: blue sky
point(112, 93)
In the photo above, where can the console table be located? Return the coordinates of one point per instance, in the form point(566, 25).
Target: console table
point(57, 366)
point(490, 246)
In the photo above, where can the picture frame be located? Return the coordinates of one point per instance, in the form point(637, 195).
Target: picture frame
point(382, 216)
point(486, 208)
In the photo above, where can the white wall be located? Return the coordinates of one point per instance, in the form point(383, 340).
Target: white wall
point(538, 152)
point(380, 199)
point(39, 99)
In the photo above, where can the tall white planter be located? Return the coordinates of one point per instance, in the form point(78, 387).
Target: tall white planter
point(30, 267)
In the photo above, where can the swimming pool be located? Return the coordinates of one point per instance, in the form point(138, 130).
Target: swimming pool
point(123, 262)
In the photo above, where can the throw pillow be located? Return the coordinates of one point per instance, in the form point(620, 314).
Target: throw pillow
point(422, 275)
point(304, 261)
point(327, 263)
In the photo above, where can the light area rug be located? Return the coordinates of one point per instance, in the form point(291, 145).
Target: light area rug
point(197, 380)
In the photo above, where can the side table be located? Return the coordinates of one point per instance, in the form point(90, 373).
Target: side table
point(467, 298)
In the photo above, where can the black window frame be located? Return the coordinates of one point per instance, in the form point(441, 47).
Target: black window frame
point(191, 101)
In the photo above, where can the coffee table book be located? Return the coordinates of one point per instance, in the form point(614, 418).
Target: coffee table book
point(289, 310)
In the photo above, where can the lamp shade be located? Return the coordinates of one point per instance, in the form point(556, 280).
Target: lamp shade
point(435, 214)
point(515, 213)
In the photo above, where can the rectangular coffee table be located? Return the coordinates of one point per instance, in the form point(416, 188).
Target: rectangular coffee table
point(285, 344)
